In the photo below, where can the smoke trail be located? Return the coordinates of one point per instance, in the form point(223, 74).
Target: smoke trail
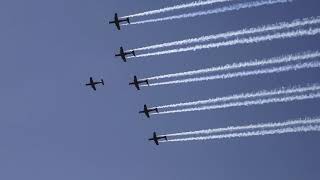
point(214, 11)
point(272, 27)
point(286, 91)
point(255, 39)
point(245, 103)
point(298, 129)
point(177, 7)
point(274, 60)
point(243, 73)
point(306, 121)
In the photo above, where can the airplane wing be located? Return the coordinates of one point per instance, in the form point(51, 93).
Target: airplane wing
point(118, 25)
point(137, 86)
point(154, 140)
point(147, 114)
point(123, 57)
point(93, 87)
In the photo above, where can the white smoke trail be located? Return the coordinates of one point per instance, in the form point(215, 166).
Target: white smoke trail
point(298, 129)
point(272, 27)
point(279, 69)
point(255, 39)
point(235, 7)
point(275, 60)
point(245, 103)
point(282, 91)
point(177, 7)
point(306, 121)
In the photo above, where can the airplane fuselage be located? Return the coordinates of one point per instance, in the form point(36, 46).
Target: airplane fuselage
point(123, 54)
point(117, 21)
point(156, 139)
point(93, 84)
point(137, 82)
point(147, 111)
point(142, 81)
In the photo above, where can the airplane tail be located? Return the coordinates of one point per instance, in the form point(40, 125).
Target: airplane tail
point(134, 53)
point(166, 138)
point(157, 110)
point(102, 81)
point(128, 20)
point(147, 82)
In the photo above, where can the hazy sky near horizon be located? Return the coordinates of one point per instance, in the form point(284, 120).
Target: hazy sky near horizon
point(53, 127)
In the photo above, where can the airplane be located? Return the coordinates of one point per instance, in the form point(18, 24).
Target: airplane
point(147, 111)
point(118, 21)
point(155, 138)
point(136, 82)
point(123, 54)
point(93, 83)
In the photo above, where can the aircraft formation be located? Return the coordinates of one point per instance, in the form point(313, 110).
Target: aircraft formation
point(277, 31)
point(123, 55)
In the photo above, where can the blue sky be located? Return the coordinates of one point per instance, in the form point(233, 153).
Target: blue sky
point(53, 127)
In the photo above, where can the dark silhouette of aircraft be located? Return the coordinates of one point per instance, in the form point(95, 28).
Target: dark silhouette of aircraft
point(136, 82)
point(155, 138)
point(118, 21)
point(147, 111)
point(93, 83)
point(123, 54)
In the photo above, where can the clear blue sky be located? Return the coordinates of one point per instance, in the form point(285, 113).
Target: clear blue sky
point(53, 127)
